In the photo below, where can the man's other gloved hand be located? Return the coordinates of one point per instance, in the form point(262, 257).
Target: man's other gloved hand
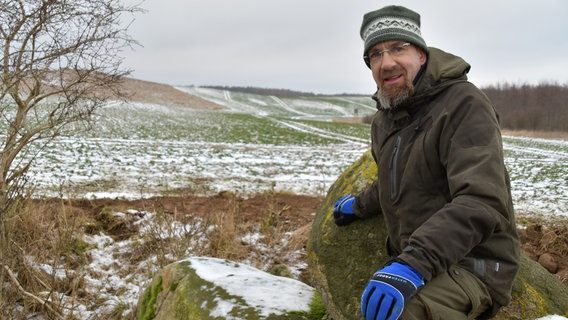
point(343, 213)
point(389, 288)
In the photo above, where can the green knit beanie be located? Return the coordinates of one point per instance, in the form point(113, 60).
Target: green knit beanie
point(392, 23)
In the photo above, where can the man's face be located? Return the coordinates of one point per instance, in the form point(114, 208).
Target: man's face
point(394, 70)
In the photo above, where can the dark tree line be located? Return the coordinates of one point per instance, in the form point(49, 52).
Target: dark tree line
point(542, 107)
point(284, 93)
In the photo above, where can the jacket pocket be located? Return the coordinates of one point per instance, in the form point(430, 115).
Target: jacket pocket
point(475, 290)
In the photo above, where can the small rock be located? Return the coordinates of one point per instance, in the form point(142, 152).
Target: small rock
point(548, 261)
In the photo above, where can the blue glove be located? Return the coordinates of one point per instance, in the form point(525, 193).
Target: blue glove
point(388, 290)
point(343, 213)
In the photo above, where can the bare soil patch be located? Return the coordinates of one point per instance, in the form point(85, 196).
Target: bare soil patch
point(163, 94)
point(298, 210)
point(548, 244)
point(350, 120)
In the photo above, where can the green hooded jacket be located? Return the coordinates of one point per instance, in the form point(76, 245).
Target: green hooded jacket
point(442, 185)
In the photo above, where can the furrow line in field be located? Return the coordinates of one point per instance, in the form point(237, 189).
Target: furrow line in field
point(322, 133)
point(540, 152)
point(286, 107)
point(237, 106)
point(223, 98)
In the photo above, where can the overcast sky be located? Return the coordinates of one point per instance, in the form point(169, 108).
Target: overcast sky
point(314, 45)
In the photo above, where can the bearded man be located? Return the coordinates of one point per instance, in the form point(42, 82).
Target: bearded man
point(442, 185)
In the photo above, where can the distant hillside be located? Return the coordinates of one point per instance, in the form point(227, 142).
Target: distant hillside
point(157, 93)
point(543, 107)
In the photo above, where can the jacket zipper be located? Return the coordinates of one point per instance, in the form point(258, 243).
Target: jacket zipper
point(393, 169)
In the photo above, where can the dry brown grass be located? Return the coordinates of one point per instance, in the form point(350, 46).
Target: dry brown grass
point(262, 230)
point(43, 234)
point(224, 229)
point(555, 240)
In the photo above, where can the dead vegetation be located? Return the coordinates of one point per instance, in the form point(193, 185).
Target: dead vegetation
point(267, 230)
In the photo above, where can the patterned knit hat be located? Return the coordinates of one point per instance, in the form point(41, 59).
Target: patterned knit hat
point(392, 23)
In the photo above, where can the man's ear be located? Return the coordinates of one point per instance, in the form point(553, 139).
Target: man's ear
point(423, 56)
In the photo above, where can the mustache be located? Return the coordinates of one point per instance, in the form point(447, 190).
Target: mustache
point(387, 74)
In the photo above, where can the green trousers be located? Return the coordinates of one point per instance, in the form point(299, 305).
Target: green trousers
point(454, 295)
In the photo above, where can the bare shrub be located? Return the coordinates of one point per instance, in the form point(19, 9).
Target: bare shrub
point(60, 64)
point(224, 229)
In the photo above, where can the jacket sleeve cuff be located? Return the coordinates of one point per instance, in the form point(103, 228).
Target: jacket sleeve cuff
point(416, 259)
point(367, 203)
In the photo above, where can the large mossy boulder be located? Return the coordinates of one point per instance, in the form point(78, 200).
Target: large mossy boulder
point(210, 288)
point(341, 260)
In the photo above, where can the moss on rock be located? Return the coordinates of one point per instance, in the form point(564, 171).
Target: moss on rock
point(148, 300)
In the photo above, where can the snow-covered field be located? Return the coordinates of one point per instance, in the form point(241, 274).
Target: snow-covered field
point(259, 143)
point(539, 175)
point(266, 143)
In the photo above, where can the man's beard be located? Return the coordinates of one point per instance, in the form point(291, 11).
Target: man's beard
point(393, 97)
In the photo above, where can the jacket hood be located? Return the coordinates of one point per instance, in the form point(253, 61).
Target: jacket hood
point(442, 69)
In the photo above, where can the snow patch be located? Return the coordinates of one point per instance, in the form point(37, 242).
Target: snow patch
point(267, 293)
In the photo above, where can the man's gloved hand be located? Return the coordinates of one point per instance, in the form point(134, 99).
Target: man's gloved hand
point(343, 213)
point(389, 288)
